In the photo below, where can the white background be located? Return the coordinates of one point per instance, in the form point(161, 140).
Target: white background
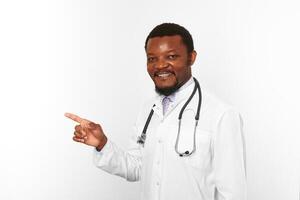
point(87, 57)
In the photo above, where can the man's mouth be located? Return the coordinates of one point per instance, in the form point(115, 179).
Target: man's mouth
point(163, 74)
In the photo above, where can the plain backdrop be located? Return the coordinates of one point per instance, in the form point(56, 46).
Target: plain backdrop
point(87, 57)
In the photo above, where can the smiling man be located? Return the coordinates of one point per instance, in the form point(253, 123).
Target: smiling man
point(186, 143)
point(169, 62)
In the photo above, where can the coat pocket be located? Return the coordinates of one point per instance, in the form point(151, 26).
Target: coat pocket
point(201, 156)
point(202, 152)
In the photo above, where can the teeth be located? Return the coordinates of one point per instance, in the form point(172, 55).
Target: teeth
point(165, 74)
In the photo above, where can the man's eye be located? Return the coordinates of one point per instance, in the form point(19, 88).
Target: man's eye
point(172, 57)
point(150, 59)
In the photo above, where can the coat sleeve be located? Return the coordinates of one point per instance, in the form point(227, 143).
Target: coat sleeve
point(229, 161)
point(114, 160)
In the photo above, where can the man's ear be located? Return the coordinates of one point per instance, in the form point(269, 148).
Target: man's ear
point(192, 57)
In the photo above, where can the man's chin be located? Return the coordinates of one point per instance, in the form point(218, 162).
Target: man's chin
point(167, 90)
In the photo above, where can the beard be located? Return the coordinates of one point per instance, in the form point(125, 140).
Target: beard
point(169, 90)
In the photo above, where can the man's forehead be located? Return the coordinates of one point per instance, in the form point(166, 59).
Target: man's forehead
point(165, 42)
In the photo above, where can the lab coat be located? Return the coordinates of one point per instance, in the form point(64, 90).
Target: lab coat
point(215, 171)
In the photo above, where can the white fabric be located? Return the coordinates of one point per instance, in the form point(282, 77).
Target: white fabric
point(216, 171)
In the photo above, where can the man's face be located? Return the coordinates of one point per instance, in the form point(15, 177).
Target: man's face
point(168, 63)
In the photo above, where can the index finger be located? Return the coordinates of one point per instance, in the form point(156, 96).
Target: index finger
point(74, 117)
point(83, 122)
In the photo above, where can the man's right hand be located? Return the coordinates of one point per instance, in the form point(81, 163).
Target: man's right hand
point(88, 132)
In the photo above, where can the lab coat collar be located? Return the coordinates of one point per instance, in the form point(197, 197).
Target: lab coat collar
point(178, 96)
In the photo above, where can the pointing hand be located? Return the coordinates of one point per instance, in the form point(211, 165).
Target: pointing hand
point(88, 132)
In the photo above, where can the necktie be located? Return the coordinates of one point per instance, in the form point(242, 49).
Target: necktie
point(165, 103)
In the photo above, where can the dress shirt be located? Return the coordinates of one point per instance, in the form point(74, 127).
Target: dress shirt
point(173, 95)
point(215, 171)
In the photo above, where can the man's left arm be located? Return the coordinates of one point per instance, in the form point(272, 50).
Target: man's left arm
point(229, 160)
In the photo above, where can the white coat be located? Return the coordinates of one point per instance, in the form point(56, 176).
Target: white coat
point(215, 171)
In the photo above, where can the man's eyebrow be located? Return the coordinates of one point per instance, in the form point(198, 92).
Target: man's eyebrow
point(169, 51)
point(172, 50)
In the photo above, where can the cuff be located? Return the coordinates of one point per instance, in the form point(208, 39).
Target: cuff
point(107, 148)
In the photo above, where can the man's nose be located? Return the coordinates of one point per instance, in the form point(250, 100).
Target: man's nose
point(161, 64)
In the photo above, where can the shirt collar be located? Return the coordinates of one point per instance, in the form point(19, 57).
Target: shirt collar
point(178, 94)
point(175, 97)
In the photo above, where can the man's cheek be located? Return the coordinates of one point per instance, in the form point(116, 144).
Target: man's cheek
point(150, 72)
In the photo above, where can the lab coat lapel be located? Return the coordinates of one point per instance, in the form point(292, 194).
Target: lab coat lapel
point(158, 106)
point(181, 97)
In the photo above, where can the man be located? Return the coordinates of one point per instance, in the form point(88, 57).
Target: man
point(192, 160)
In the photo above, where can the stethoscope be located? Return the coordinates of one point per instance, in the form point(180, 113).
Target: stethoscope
point(142, 138)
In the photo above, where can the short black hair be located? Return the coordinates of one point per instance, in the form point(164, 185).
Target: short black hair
point(171, 29)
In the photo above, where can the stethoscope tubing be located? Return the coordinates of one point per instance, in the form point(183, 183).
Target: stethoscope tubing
point(141, 139)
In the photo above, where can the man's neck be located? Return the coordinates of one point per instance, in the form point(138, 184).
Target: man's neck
point(184, 86)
